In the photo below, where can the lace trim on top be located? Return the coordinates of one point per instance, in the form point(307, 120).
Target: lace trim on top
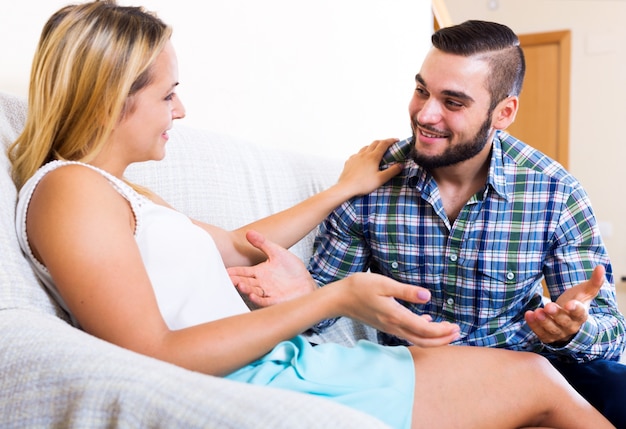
point(135, 199)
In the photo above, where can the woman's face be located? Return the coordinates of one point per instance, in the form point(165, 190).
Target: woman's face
point(142, 133)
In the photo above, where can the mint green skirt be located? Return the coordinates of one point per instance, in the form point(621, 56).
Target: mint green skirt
point(374, 379)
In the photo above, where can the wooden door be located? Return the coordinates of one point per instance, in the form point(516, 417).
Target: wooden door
point(543, 117)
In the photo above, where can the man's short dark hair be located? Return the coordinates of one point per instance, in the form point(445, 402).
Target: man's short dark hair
point(499, 46)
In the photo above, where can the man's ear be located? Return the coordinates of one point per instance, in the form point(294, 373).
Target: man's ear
point(505, 111)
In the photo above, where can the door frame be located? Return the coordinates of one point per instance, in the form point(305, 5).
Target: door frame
point(562, 39)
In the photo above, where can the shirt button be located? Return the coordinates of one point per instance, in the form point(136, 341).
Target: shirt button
point(450, 301)
point(510, 275)
point(394, 265)
point(453, 257)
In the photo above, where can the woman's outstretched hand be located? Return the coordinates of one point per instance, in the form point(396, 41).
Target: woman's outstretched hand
point(280, 278)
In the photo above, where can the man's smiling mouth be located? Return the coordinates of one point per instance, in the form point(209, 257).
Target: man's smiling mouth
point(432, 134)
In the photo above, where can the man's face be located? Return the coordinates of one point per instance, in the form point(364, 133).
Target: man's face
point(450, 110)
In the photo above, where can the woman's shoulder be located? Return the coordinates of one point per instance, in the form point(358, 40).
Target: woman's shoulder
point(65, 171)
point(70, 187)
point(73, 205)
point(68, 179)
point(65, 174)
point(73, 172)
point(77, 179)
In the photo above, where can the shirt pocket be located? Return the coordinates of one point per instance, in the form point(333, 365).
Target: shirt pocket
point(408, 263)
point(503, 289)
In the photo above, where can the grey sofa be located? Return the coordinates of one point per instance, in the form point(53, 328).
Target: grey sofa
point(56, 376)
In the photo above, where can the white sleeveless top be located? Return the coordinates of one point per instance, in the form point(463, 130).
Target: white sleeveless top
point(184, 265)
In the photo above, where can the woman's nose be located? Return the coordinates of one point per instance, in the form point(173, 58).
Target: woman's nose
point(178, 112)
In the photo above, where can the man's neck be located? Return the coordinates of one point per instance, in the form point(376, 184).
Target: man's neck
point(458, 183)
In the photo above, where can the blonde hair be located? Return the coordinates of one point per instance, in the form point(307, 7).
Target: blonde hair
point(90, 60)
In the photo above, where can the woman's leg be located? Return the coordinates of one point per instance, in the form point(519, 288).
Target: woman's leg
point(602, 383)
point(476, 387)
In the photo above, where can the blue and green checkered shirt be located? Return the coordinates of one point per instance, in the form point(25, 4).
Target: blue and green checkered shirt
point(532, 221)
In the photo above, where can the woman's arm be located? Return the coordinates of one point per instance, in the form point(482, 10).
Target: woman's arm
point(82, 230)
point(361, 175)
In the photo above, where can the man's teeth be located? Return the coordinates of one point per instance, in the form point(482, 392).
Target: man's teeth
point(434, 136)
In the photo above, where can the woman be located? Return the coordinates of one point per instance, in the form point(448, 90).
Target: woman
point(131, 270)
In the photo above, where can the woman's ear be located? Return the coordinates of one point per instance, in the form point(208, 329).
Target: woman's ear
point(505, 111)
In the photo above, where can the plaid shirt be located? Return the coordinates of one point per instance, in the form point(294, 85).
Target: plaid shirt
point(532, 221)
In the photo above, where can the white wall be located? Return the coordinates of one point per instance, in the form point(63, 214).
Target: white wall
point(598, 91)
point(325, 76)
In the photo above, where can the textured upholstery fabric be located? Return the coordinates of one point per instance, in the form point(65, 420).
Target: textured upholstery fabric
point(54, 375)
point(19, 287)
point(229, 182)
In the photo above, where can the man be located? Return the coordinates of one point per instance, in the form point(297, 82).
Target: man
point(481, 219)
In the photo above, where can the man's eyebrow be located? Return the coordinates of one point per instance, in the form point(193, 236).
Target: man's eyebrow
point(449, 92)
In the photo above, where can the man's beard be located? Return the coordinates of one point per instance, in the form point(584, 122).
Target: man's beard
point(453, 154)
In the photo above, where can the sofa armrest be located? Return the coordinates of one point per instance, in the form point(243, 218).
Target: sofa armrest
point(63, 377)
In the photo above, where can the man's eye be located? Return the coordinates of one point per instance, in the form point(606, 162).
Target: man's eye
point(454, 104)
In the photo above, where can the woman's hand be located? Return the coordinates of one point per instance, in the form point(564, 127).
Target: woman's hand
point(371, 298)
point(280, 278)
point(361, 172)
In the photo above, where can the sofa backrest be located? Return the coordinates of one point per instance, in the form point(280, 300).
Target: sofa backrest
point(229, 182)
point(214, 178)
point(19, 287)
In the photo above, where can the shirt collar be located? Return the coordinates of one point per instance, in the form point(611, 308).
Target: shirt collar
point(419, 178)
point(497, 178)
